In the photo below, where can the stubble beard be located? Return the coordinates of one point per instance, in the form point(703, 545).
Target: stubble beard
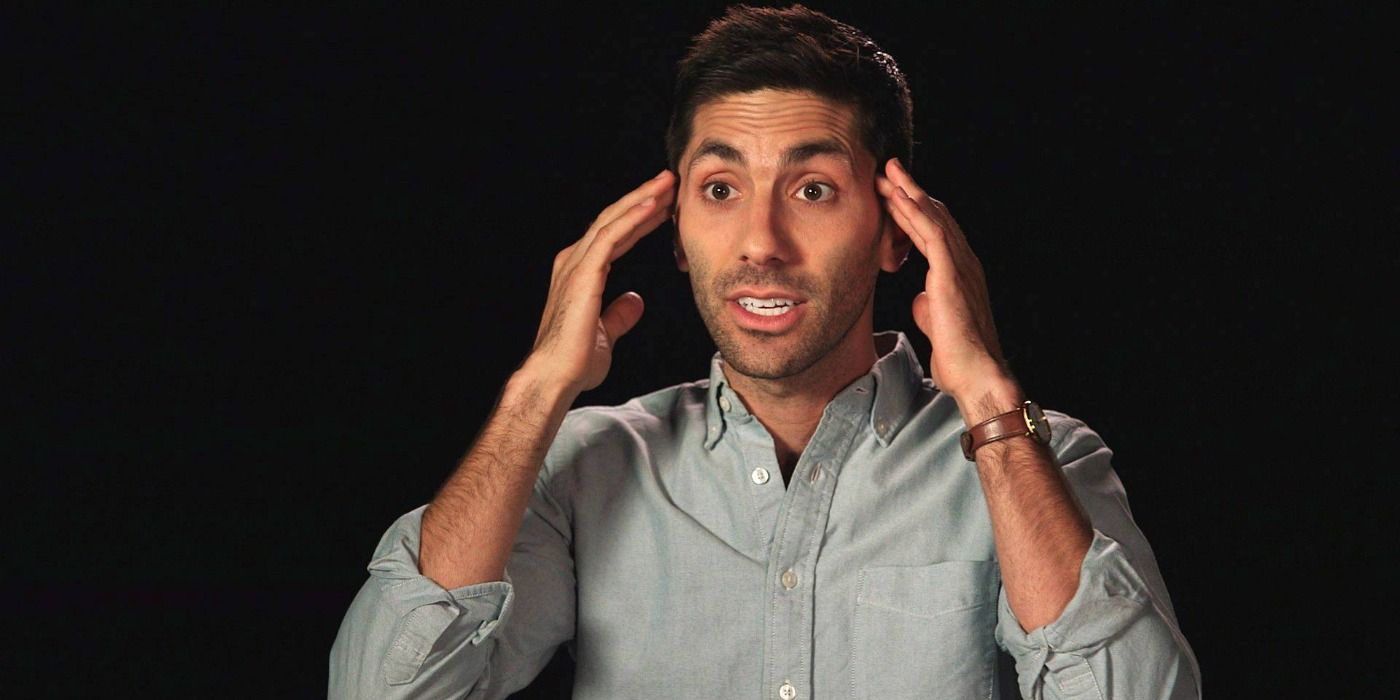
point(829, 316)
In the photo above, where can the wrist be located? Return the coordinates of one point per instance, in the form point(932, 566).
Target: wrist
point(532, 382)
point(993, 397)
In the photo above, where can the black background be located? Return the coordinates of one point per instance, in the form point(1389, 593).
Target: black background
point(269, 269)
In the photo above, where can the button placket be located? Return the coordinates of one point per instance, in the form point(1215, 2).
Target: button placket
point(796, 543)
point(800, 526)
point(759, 468)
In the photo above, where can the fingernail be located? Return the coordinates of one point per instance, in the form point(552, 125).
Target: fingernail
point(648, 201)
point(663, 172)
point(898, 163)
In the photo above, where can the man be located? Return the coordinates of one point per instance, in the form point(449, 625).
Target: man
point(815, 520)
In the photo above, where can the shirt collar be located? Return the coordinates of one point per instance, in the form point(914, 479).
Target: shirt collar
point(894, 380)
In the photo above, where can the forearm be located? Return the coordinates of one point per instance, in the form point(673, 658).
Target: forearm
point(469, 527)
point(1041, 532)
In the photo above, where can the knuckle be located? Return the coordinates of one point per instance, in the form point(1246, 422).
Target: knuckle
point(610, 234)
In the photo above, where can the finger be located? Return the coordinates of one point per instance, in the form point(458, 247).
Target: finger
point(924, 320)
point(891, 193)
point(661, 187)
point(929, 237)
point(921, 318)
point(590, 262)
point(563, 257)
point(903, 180)
point(622, 315)
point(890, 190)
point(664, 181)
point(932, 219)
point(895, 171)
point(589, 272)
point(914, 221)
point(921, 225)
point(614, 240)
point(624, 243)
point(885, 186)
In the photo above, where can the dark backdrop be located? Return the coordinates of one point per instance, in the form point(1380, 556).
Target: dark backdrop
point(267, 271)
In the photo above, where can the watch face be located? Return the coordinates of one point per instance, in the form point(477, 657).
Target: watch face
point(1035, 419)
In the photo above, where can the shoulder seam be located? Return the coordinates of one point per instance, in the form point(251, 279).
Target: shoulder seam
point(628, 404)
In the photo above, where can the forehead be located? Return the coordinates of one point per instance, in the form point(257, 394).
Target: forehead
point(762, 123)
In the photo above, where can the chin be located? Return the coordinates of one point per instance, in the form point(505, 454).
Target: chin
point(768, 357)
point(757, 366)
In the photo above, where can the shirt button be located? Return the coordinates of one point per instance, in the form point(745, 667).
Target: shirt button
point(789, 579)
point(786, 691)
point(759, 476)
point(724, 403)
point(881, 427)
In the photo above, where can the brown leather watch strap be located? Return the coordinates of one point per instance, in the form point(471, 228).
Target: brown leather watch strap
point(998, 427)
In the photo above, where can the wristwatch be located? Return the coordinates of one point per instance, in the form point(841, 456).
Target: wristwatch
point(1027, 420)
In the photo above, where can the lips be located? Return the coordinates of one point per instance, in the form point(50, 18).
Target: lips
point(766, 312)
point(775, 306)
point(764, 293)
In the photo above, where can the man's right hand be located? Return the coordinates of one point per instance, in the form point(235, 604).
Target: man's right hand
point(468, 529)
point(573, 348)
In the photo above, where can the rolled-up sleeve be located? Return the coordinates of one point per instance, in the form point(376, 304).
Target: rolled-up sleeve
point(405, 636)
point(1118, 636)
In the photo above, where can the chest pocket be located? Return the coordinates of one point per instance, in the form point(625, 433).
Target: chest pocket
point(925, 631)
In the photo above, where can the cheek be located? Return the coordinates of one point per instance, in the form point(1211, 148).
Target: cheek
point(700, 233)
point(846, 238)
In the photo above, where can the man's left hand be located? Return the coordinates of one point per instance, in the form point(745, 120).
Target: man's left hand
point(954, 310)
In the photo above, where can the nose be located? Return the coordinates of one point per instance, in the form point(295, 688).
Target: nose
point(765, 238)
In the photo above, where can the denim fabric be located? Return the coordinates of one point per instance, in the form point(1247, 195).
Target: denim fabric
point(663, 547)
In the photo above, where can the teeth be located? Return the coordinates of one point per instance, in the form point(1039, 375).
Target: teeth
point(766, 307)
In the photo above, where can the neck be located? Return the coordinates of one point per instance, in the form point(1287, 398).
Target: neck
point(791, 407)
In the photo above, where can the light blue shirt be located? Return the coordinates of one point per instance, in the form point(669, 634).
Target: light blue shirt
point(662, 546)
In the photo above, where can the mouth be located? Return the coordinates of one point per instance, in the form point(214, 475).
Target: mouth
point(772, 306)
point(767, 313)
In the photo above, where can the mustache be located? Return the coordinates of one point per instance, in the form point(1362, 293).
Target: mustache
point(753, 277)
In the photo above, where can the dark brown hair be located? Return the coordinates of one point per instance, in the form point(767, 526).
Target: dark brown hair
point(753, 48)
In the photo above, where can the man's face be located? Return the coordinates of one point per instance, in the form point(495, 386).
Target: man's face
point(780, 228)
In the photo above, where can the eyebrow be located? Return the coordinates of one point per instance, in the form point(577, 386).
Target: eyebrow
point(717, 149)
point(808, 150)
point(795, 155)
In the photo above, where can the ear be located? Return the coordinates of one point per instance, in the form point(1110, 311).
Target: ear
point(894, 244)
point(682, 263)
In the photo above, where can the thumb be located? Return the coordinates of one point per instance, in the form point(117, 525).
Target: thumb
point(921, 312)
point(622, 315)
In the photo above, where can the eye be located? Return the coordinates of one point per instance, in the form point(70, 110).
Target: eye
point(717, 191)
point(816, 192)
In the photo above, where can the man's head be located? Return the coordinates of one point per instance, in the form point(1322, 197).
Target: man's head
point(753, 48)
point(783, 119)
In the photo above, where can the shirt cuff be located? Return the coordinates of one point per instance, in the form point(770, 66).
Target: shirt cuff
point(426, 612)
point(1110, 596)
